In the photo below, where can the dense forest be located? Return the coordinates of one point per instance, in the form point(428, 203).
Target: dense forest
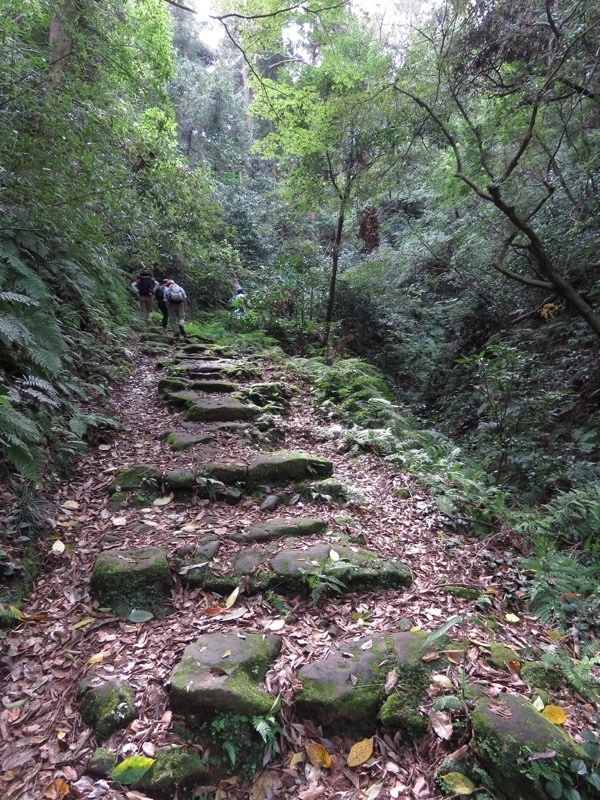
point(409, 198)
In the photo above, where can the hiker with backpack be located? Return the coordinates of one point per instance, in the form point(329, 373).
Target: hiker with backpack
point(177, 307)
point(159, 294)
point(143, 286)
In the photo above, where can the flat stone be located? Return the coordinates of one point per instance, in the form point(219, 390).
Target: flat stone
point(358, 570)
point(283, 467)
point(136, 477)
point(166, 385)
point(283, 526)
point(221, 672)
point(228, 427)
point(214, 387)
point(502, 743)
point(220, 409)
point(184, 440)
point(128, 579)
point(263, 394)
point(345, 691)
point(229, 473)
point(183, 398)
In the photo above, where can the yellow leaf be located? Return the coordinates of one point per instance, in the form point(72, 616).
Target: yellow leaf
point(70, 504)
point(458, 784)
point(82, 623)
point(58, 546)
point(232, 597)
point(104, 447)
point(57, 790)
point(317, 755)
point(511, 618)
point(97, 658)
point(555, 714)
point(296, 759)
point(360, 752)
point(415, 629)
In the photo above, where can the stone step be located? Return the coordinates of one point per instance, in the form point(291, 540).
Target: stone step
point(124, 580)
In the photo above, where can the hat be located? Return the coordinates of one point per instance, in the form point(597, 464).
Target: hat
point(168, 281)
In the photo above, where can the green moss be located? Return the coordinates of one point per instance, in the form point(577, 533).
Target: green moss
point(172, 770)
point(449, 703)
point(136, 477)
point(537, 674)
point(463, 592)
point(102, 762)
point(500, 656)
point(108, 708)
point(123, 580)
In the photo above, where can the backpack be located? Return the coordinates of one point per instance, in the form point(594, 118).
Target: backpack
point(159, 293)
point(176, 294)
point(146, 285)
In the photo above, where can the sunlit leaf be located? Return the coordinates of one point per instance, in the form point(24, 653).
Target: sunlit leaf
point(118, 522)
point(334, 555)
point(512, 618)
point(317, 754)
point(296, 759)
point(360, 752)
point(83, 622)
point(555, 714)
point(538, 703)
point(104, 447)
point(58, 546)
point(163, 501)
point(458, 784)
point(232, 597)
point(57, 790)
point(72, 505)
point(131, 770)
point(276, 625)
point(97, 658)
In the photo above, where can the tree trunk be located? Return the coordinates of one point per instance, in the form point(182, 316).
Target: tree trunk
point(60, 40)
point(335, 257)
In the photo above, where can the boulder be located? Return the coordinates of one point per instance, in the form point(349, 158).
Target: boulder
point(221, 672)
point(128, 579)
point(213, 386)
point(506, 731)
point(180, 480)
point(284, 467)
point(136, 477)
point(173, 769)
point(228, 473)
point(107, 707)
point(183, 440)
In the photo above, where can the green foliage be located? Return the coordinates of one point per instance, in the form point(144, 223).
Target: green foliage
point(242, 741)
point(565, 592)
point(324, 581)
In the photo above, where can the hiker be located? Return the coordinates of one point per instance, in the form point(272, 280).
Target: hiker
point(143, 286)
point(177, 307)
point(238, 302)
point(159, 294)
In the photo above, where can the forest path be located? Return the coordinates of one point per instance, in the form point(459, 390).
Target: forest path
point(65, 636)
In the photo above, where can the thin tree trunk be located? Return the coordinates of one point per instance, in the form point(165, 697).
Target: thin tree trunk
point(60, 40)
point(335, 257)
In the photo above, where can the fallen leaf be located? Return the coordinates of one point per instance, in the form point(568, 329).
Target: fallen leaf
point(391, 680)
point(149, 749)
point(72, 505)
point(442, 680)
point(58, 546)
point(213, 611)
point(317, 755)
point(104, 447)
point(374, 790)
point(514, 667)
point(459, 754)
point(367, 645)
point(360, 752)
point(235, 614)
point(554, 714)
point(458, 784)
point(131, 770)
point(57, 790)
point(538, 704)
point(260, 786)
point(140, 615)
point(276, 625)
point(219, 671)
point(225, 653)
point(296, 759)
point(97, 658)
point(511, 618)
point(542, 756)
point(162, 501)
point(432, 656)
point(500, 710)
point(118, 522)
point(334, 555)
point(232, 597)
point(441, 724)
point(82, 623)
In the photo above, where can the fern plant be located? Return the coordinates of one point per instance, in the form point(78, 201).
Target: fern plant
point(583, 674)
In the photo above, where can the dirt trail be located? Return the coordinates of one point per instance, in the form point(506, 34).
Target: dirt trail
point(65, 636)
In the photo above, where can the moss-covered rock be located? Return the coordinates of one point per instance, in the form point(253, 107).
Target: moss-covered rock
point(345, 691)
point(330, 490)
point(220, 409)
point(283, 467)
point(463, 592)
point(170, 384)
point(264, 394)
point(229, 473)
point(128, 579)
point(221, 672)
point(102, 762)
point(281, 527)
point(180, 480)
point(108, 707)
point(214, 386)
point(536, 674)
point(500, 656)
point(184, 440)
point(136, 477)
point(506, 731)
point(173, 769)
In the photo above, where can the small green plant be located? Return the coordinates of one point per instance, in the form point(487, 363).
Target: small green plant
point(581, 674)
point(276, 602)
point(324, 581)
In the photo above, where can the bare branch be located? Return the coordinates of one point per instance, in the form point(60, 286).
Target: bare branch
point(516, 276)
point(178, 5)
point(279, 11)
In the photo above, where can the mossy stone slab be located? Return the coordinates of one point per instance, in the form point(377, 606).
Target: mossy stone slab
point(220, 409)
point(503, 742)
point(213, 387)
point(128, 579)
point(108, 707)
point(135, 478)
point(284, 467)
point(221, 672)
point(184, 440)
point(329, 489)
point(166, 385)
point(261, 394)
point(173, 769)
point(229, 473)
point(102, 762)
point(357, 569)
point(182, 399)
point(344, 691)
point(500, 656)
point(280, 527)
point(180, 480)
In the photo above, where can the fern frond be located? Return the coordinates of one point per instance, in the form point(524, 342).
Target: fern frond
point(13, 330)
point(22, 299)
